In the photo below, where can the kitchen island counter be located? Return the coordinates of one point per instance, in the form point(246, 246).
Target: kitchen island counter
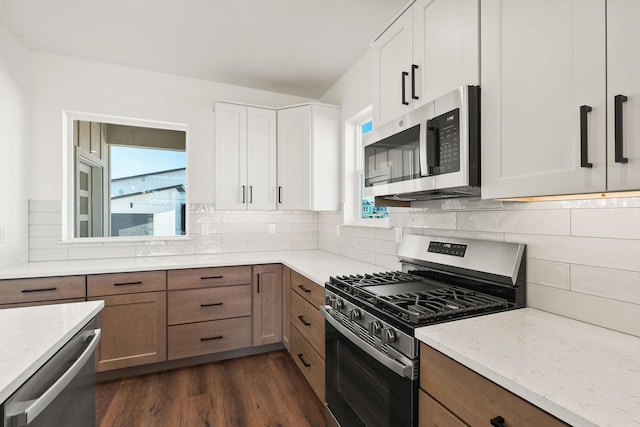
point(583, 374)
point(31, 335)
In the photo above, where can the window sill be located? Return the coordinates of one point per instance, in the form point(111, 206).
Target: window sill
point(132, 239)
point(360, 225)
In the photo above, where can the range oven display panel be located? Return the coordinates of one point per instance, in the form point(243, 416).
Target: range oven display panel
point(453, 249)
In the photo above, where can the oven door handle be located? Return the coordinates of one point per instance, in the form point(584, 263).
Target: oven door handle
point(404, 367)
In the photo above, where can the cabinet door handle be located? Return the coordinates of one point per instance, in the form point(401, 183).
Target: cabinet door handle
point(497, 422)
point(128, 283)
point(210, 277)
point(414, 67)
point(251, 194)
point(304, 289)
point(619, 127)
point(279, 194)
point(258, 283)
point(28, 291)
point(304, 322)
point(218, 337)
point(304, 362)
point(243, 194)
point(404, 88)
point(213, 304)
point(584, 137)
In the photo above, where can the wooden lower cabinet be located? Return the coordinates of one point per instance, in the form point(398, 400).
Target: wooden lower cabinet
point(134, 330)
point(286, 307)
point(44, 290)
point(309, 362)
point(195, 339)
point(267, 304)
point(198, 305)
point(471, 397)
point(309, 322)
point(433, 414)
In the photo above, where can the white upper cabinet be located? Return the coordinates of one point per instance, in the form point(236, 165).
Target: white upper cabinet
point(623, 89)
point(245, 157)
point(551, 70)
point(309, 158)
point(430, 50)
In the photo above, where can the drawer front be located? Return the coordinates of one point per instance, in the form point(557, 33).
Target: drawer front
point(198, 305)
point(42, 289)
point(309, 322)
point(195, 339)
point(472, 397)
point(308, 289)
point(208, 277)
point(308, 361)
point(433, 414)
point(126, 283)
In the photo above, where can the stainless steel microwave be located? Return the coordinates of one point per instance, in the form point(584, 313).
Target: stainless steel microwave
point(432, 152)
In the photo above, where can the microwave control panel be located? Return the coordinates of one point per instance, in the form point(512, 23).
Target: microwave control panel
point(443, 142)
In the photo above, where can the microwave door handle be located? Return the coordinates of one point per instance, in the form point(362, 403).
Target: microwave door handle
point(432, 150)
point(424, 156)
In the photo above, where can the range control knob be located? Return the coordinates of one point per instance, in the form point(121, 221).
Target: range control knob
point(328, 300)
point(388, 336)
point(338, 304)
point(354, 314)
point(375, 328)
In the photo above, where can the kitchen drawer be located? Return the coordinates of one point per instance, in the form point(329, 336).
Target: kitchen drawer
point(198, 305)
point(308, 289)
point(208, 277)
point(126, 283)
point(308, 361)
point(472, 397)
point(33, 304)
point(42, 289)
point(309, 321)
point(195, 339)
point(433, 414)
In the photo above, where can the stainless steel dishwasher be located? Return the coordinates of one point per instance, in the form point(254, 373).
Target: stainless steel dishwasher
point(62, 391)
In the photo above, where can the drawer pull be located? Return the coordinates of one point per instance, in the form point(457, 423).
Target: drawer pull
point(218, 337)
point(304, 289)
point(497, 422)
point(304, 322)
point(28, 291)
point(304, 362)
point(210, 277)
point(128, 283)
point(211, 304)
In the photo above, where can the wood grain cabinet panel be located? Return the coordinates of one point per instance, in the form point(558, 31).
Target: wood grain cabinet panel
point(134, 330)
point(433, 414)
point(309, 322)
point(473, 398)
point(208, 277)
point(286, 307)
point(195, 339)
point(198, 305)
point(307, 289)
point(126, 283)
point(309, 362)
point(42, 289)
point(267, 304)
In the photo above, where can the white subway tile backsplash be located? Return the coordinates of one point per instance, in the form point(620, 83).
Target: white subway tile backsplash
point(45, 218)
point(45, 206)
point(612, 223)
point(45, 231)
point(555, 222)
point(362, 232)
point(470, 204)
point(75, 252)
point(443, 220)
point(607, 283)
point(59, 254)
point(548, 273)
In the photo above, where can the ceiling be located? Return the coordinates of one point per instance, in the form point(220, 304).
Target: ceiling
point(297, 47)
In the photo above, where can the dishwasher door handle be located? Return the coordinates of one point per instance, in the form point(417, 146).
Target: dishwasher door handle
point(23, 413)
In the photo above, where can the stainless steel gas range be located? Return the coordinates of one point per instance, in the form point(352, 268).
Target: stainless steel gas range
point(372, 357)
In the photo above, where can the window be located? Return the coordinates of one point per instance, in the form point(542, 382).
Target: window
point(128, 180)
point(359, 210)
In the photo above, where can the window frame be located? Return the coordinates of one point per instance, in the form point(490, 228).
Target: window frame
point(69, 170)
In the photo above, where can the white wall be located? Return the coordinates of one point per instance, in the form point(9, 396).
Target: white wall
point(14, 147)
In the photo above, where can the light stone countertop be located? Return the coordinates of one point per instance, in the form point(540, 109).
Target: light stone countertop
point(29, 336)
point(583, 374)
point(314, 264)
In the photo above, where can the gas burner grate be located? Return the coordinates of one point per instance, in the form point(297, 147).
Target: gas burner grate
point(384, 278)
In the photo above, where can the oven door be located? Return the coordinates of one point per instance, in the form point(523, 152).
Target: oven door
point(360, 390)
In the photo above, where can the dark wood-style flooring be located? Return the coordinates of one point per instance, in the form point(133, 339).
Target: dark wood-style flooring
point(262, 390)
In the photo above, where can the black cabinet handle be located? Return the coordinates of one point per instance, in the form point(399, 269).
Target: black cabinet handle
point(304, 289)
point(404, 88)
point(279, 194)
point(414, 67)
point(304, 322)
point(210, 277)
point(433, 148)
point(497, 421)
point(584, 141)
point(28, 291)
point(128, 283)
point(304, 362)
point(258, 283)
point(218, 337)
point(243, 194)
point(619, 100)
point(251, 194)
point(213, 304)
